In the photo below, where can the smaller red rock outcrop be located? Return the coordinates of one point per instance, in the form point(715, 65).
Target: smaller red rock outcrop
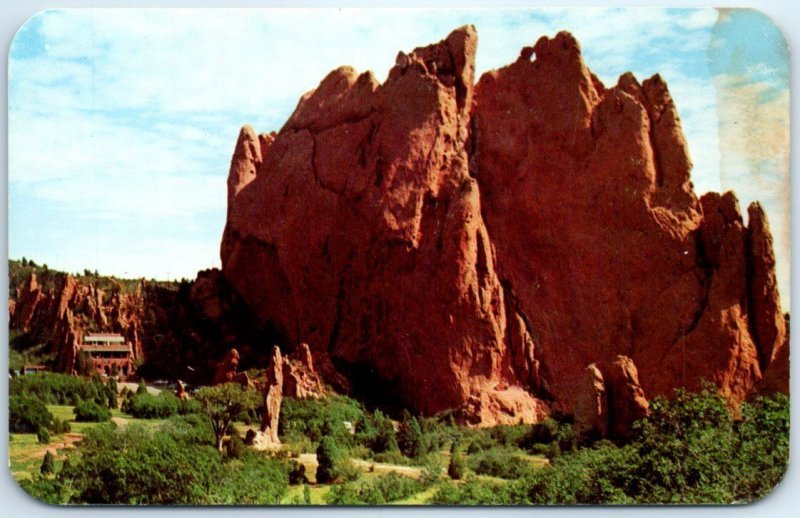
point(267, 436)
point(608, 405)
point(300, 380)
point(626, 400)
point(227, 372)
point(591, 406)
point(180, 391)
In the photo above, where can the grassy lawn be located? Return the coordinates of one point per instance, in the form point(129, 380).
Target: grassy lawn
point(26, 454)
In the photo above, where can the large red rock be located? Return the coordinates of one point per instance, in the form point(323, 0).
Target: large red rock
point(768, 323)
point(475, 247)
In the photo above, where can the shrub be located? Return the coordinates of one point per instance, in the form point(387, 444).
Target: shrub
point(497, 462)
point(192, 429)
point(382, 490)
point(43, 436)
point(91, 412)
point(257, 480)
point(48, 464)
point(145, 406)
point(472, 492)
point(297, 473)
point(28, 414)
point(329, 458)
point(410, 438)
point(59, 389)
point(457, 467)
point(188, 406)
point(141, 389)
point(328, 455)
point(317, 418)
point(235, 448)
point(133, 465)
point(60, 427)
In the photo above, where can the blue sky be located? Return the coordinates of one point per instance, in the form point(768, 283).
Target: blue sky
point(122, 122)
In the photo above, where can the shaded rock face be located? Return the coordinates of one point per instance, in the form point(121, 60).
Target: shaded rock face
point(476, 246)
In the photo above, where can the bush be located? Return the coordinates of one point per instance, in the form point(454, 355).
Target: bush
point(91, 412)
point(145, 406)
point(499, 463)
point(43, 436)
point(472, 492)
point(235, 449)
point(59, 389)
point(257, 480)
point(192, 429)
point(410, 438)
point(315, 419)
point(329, 459)
point(297, 473)
point(189, 406)
point(141, 389)
point(133, 465)
point(48, 464)
point(28, 414)
point(457, 467)
point(382, 490)
point(60, 427)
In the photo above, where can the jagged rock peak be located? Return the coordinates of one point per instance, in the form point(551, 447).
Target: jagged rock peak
point(475, 247)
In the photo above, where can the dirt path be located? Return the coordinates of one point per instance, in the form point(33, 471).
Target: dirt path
point(37, 452)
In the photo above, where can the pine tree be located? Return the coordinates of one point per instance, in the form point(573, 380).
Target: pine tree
point(48, 464)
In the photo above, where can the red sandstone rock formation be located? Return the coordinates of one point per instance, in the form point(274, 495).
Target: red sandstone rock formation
point(63, 313)
point(267, 436)
point(591, 404)
point(227, 371)
point(181, 392)
point(478, 245)
point(300, 380)
point(626, 399)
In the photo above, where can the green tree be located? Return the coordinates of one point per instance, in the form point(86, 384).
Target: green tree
point(43, 436)
point(141, 389)
point(223, 403)
point(28, 415)
point(48, 464)
point(91, 412)
point(457, 467)
point(409, 437)
point(135, 465)
point(329, 458)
